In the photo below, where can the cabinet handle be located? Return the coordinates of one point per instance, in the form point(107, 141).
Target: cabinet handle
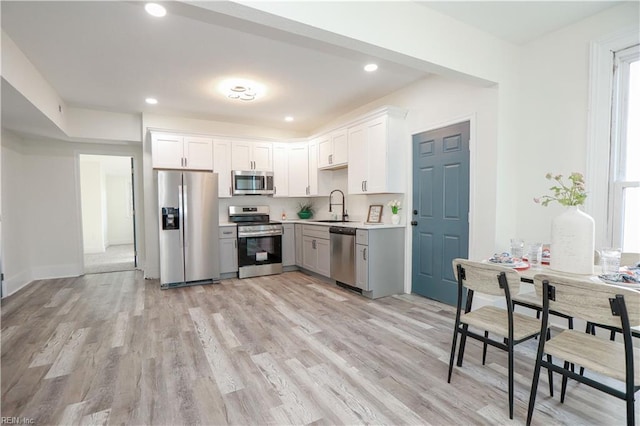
point(366, 185)
point(235, 244)
point(230, 191)
point(185, 162)
point(364, 254)
point(275, 190)
point(313, 244)
point(362, 186)
point(331, 159)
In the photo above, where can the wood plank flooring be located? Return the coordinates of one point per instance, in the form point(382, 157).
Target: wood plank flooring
point(287, 349)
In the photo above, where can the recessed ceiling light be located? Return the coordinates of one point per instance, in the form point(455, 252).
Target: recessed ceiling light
point(288, 118)
point(151, 101)
point(154, 9)
point(370, 67)
point(242, 89)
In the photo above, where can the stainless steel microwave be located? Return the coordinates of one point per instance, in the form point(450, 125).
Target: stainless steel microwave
point(252, 182)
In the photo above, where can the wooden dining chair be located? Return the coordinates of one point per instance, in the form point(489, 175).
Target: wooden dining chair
point(510, 328)
point(597, 303)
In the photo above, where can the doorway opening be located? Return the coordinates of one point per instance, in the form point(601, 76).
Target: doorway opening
point(108, 213)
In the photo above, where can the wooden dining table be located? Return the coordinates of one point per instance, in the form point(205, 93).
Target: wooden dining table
point(526, 275)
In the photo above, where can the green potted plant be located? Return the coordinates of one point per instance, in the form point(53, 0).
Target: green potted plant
point(305, 210)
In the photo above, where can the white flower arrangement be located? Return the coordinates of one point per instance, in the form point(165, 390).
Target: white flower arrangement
point(395, 206)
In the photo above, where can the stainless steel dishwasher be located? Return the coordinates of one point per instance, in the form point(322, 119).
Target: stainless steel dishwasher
point(343, 254)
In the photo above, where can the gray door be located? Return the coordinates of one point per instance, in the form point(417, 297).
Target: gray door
point(441, 209)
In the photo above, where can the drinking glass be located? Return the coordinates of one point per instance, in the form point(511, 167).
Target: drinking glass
point(534, 253)
point(610, 260)
point(517, 247)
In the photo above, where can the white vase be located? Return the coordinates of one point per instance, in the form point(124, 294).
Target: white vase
point(572, 242)
point(395, 219)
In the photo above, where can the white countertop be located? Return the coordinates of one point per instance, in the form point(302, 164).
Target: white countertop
point(359, 225)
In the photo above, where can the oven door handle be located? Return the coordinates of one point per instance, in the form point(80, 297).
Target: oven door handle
point(259, 234)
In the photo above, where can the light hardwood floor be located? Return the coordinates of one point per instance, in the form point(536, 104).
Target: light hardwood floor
point(287, 349)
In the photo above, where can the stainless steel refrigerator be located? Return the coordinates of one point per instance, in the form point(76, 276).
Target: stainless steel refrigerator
point(188, 209)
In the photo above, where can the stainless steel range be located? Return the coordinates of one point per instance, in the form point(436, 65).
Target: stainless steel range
point(259, 241)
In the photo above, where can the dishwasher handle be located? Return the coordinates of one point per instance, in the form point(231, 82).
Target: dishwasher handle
point(343, 230)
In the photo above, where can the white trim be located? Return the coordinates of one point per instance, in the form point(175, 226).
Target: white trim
point(472, 119)
point(599, 128)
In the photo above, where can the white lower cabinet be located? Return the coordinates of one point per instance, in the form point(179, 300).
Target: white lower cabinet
point(288, 245)
point(316, 254)
point(228, 249)
point(380, 261)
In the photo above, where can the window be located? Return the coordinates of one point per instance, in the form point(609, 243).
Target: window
point(624, 184)
point(613, 144)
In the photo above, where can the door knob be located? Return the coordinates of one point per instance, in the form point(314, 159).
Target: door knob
point(414, 223)
point(415, 212)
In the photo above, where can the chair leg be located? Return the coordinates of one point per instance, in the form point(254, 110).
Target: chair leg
point(510, 379)
point(550, 373)
point(453, 352)
point(589, 330)
point(534, 385)
point(564, 382)
point(463, 341)
point(484, 348)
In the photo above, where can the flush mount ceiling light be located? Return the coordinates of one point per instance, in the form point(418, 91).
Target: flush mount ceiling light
point(288, 118)
point(151, 101)
point(242, 90)
point(154, 9)
point(370, 67)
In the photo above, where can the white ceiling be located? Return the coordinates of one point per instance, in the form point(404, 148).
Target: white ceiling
point(112, 55)
point(519, 21)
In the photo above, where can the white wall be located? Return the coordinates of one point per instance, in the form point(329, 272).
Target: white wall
point(41, 206)
point(554, 122)
point(15, 235)
point(91, 189)
point(119, 219)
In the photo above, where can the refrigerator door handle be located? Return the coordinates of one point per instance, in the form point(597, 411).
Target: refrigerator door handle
point(183, 214)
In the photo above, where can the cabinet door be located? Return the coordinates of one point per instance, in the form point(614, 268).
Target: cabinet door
point(280, 170)
point(362, 267)
point(298, 170)
point(298, 234)
point(198, 153)
point(228, 255)
point(376, 180)
point(241, 156)
point(340, 147)
point(324, 257)
point(167, 151)
point(309, 253)
point(358, 160)
point(313, 168)
point(222, 166)
point(288, 245)
point(325, 151)
point(262, 156)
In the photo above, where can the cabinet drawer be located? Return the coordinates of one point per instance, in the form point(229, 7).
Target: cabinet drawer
point(316, 231)
point(228, 232)
point(362, 237)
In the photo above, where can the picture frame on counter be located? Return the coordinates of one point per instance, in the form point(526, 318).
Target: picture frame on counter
point(375, 213)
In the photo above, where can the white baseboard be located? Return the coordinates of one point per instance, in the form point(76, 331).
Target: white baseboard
point(14, 283)
point(57, 271)
point(94, 249)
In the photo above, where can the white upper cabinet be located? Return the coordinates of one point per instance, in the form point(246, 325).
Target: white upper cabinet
point(298, 170)
point(222, 166)
point(320, 181)
point(333, 150)
point(181, 152)
point(281, 163)
point(248, 155)
point(376, 154)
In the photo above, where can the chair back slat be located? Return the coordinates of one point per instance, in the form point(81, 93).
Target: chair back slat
point(582, 298)
point(483, 277)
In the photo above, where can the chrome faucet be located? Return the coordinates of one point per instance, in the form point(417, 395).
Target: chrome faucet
point(334, 204)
